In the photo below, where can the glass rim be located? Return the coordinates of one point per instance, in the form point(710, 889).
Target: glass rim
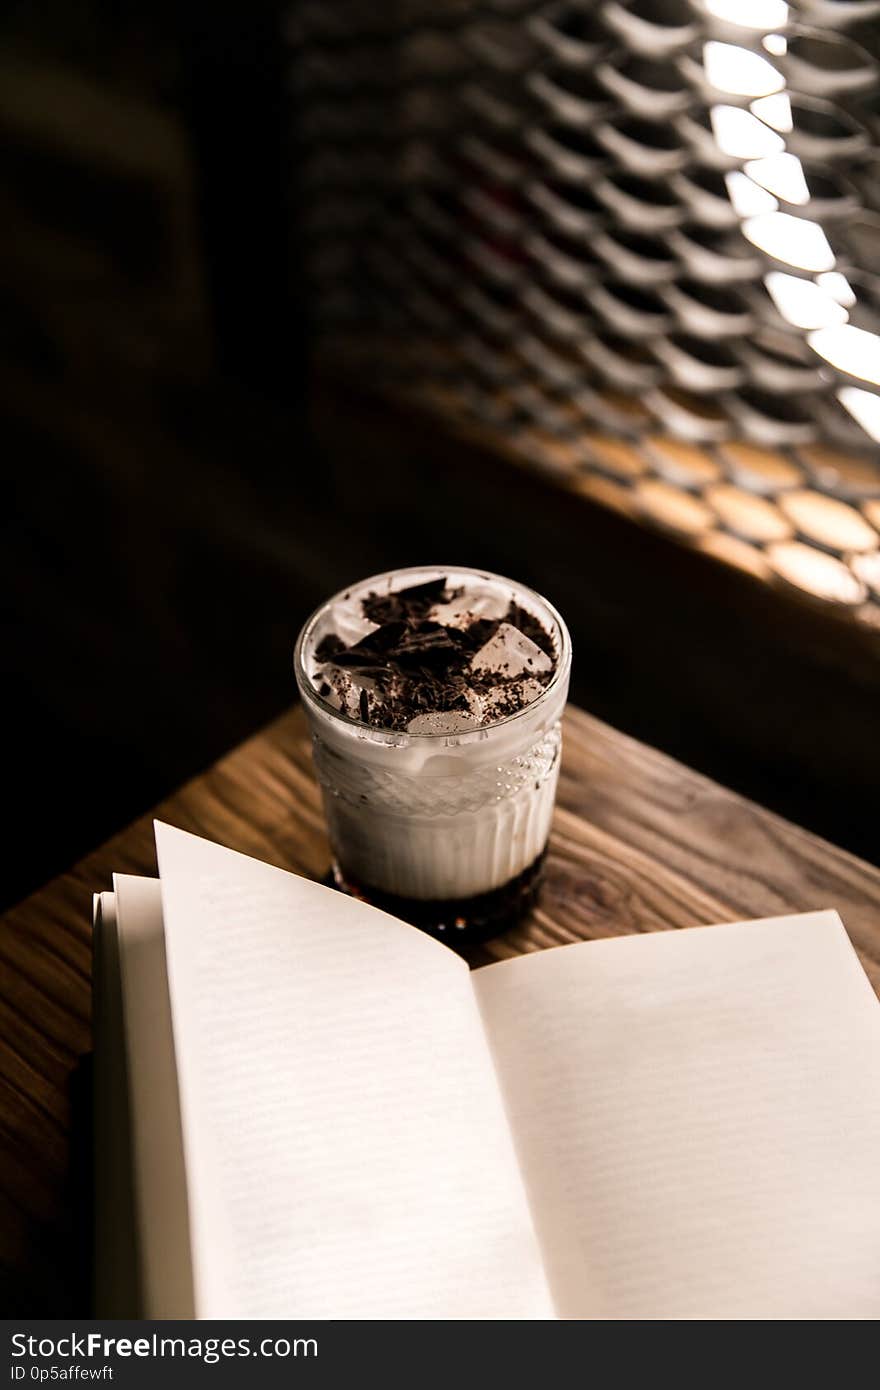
point(308, 693)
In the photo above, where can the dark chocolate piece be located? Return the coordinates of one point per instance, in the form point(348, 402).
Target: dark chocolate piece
point(329, 646)
point(414, 602)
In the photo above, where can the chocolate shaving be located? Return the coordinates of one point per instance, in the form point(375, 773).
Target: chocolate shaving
point(530, 627)
point(414, 602)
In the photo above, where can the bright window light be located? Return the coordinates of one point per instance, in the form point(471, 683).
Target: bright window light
point(802, 303)
point(748, 199)
point(850, 349)
point(777, 44)
point(782, 174)
point(792, 240)
point(775, 111)
point(864, 407)
point(750, 14)
point(835, 283)
point(730, 68)
point(817, 306)
point(741, 135)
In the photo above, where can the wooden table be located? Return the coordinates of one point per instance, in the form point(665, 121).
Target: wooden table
point(639, 843)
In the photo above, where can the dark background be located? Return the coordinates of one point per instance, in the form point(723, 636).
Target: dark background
point(181, 493)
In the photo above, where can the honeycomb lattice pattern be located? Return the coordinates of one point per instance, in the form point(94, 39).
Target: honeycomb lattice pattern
point(621, 236)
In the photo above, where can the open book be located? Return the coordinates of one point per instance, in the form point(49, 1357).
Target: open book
point(312, 1110)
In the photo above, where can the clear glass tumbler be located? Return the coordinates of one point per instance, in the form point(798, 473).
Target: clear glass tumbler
point(445, 830)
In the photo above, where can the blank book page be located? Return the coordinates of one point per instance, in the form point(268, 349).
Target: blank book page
point(347, 1150)
point(697, 1116)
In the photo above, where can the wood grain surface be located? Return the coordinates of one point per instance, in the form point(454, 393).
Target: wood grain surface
point(639, 843)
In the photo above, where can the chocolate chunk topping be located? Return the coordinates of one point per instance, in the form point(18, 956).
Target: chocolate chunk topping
point(530, 627)
point(370, 653)
point(414, 602)
point(328, 647)
point(413, 664)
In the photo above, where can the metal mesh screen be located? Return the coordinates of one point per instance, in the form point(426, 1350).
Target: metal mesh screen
point(638, 242)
